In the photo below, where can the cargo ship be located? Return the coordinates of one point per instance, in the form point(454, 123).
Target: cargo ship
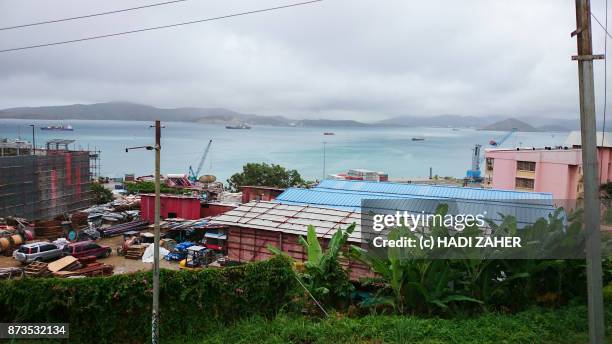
point(239, 126)
point(58, 127)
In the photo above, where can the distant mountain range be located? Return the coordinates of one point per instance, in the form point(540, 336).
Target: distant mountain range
point(509, 124)
point(139, 112)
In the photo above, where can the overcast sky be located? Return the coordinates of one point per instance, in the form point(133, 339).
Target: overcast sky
point(360, 59)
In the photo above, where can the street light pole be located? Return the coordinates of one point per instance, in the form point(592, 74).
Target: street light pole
point(155, 308)
point(33, 140)
point(155, 315)
point(588, 135)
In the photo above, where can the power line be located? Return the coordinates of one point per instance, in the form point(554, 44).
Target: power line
point(160, 27)
point(90, 15)
point(600, 24)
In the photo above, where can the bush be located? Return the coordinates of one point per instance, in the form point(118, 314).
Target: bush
point(536, 325)
point(149, 187)
point(118, 308)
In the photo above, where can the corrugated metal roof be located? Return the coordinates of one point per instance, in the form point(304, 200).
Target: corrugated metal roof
point(526, 211)
point(273, 216)
point(436, 191)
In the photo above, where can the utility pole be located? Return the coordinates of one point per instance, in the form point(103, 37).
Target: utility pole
point(585, 59)
point(155, 315)
point(155, 308)
point(33, 140)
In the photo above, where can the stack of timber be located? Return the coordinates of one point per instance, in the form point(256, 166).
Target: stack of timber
point(10, 273)
point(68, 263)
point(135, 251)
point(122, 228)
point(37, 269)
point(50, 230)
point(87, 260)
point(79, 219)
point(90, 270)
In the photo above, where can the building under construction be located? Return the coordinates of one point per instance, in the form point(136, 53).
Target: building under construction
point(39, 184)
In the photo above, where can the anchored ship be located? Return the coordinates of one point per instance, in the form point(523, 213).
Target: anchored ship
point(239, 126)
point(58, 127)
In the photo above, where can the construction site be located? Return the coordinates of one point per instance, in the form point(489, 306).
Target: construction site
point(41, 184)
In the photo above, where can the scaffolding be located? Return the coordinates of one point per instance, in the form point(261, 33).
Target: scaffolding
point(46, 183)
point(94, 164)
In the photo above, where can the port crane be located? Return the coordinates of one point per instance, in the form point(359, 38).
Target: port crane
point(474, 174)
point(193, 175)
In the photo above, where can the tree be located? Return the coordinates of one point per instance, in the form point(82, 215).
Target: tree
point(100, 193)
point(323, 275)
point(263, 174)
point(141, 187)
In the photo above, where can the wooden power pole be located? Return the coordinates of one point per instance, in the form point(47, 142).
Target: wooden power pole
point(155, 312)
point(588, 129)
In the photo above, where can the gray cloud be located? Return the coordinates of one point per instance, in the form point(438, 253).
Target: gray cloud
point(337, 59)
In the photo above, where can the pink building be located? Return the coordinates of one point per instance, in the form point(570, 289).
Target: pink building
point(556, 170)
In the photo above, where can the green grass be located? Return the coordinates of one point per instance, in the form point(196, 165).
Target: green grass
point(537, 325)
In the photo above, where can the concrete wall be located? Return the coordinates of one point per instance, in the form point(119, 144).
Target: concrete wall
point(557, 171)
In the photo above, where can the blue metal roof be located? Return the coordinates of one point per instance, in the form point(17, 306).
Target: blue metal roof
point(437, 191)
point(423, 198)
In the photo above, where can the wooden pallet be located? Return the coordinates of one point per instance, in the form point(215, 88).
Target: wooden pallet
point(37, 269)
point(135, 251)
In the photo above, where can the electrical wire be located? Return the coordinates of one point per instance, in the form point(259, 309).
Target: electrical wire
point(90, 15)
point(602, 25)
point(159, 27)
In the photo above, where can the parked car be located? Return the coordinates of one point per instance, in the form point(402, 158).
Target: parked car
point(87, 248)
point(37, 252)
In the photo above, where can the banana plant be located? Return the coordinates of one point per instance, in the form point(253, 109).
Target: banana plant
point(323, 275)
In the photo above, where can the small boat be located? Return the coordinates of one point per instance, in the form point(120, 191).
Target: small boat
point(418, 139)
point(239, 126)
point(58, 128)
point(328, 133)
point(455, 129)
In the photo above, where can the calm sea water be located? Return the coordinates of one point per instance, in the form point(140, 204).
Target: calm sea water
point(390, 150)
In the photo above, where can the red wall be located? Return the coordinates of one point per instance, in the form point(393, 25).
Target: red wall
point(186, 208)
point(248, 244)
point(213, 209)
point(250, 193)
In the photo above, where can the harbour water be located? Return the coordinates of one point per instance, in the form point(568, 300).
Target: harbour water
point(391, 150)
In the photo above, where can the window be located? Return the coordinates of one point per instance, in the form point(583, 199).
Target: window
point(524, 183)
point(489, 164)
point(47, 247)
point(92, 246)
point(525, 166)
point(172, 215)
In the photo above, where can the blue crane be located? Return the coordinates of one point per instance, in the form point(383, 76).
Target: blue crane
point(503, 139)
point(193, 175)
point(474, 173)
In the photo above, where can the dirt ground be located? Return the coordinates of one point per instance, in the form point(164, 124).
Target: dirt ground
point(121, 264)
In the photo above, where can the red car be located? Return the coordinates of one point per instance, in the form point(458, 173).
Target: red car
point(87, 248)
